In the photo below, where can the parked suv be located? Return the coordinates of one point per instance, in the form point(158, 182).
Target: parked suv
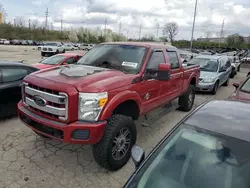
point(96, 101)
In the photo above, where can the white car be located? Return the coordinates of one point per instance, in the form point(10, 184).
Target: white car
point(69, 46)
point(235, 64)
point(6, 42)
point(86, 47)
point(52, 48)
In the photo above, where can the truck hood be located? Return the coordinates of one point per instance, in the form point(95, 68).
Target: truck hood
point(42, 66)
point(87, 78)
point(205, 74)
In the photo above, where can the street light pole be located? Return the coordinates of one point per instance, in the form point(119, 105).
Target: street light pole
point(192, 36)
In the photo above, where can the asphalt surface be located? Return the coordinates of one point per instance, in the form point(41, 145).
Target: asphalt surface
point(28, 161)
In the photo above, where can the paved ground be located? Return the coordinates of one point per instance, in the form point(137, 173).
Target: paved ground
point(27, 160)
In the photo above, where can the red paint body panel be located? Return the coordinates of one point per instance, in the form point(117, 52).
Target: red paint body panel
point(120, 88)
point(240, 95)
point(96, 129)
point(67, 56)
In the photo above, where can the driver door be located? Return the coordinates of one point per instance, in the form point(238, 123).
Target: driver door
point(149, 88)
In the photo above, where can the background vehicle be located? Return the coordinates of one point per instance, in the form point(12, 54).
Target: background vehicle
point(6, 42)
point(68, 46)
point(206, 149)
point(85, 47)
point(242, 90)
point(15, 42)
point(57, 60)
point(215, 71)
point(11, 75)
point(185, 56)
point(96, 101)
point(52, 48)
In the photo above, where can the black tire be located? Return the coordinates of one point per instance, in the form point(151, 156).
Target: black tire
point(248, 74)
point(238, 68)
point(215, 89)
point(226, 83)
point(41, 135)
point(63, 51)
point(57, 52)
point(43, 54)
point(186, 101)
point(233, 73)
point(102, 151)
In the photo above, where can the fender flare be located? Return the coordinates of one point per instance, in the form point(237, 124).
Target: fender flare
point(117, 100)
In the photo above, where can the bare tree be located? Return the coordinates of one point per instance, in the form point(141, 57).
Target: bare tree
point(4, 14)
point(20, 22)
point(170, 30)
point(34, 24)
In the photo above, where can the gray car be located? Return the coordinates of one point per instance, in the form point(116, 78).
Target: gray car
point(215, 71)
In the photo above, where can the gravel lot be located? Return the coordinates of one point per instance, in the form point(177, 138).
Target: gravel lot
point(27, 160)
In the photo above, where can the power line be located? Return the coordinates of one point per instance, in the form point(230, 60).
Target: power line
point(46, 17)
point(192, 36)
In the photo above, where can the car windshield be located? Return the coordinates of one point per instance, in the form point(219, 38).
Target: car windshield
point(50, 44)
point(53, 60)
point(206, 64)
point(126, 58)
point(246, 86)
point(195, 158)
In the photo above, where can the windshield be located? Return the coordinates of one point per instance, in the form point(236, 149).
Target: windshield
point(125, 58)
point(192, 158)
point(53, 60)
point(50, 44)
point(246, 86)
point(207, 65)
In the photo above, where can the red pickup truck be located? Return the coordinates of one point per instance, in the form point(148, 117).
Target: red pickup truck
point(96, 101)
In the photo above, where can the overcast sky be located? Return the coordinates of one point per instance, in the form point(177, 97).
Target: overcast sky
point(132, 13)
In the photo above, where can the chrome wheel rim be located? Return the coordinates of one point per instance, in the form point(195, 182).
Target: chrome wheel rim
point(121, 144)
point(191, 98)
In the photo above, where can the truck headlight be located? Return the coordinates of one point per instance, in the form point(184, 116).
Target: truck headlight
point(208, 80)
point(90, 105)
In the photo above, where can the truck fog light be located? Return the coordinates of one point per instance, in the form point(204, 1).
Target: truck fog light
point(82, 134)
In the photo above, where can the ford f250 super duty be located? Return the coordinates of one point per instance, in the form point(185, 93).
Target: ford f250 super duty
point(96, 101)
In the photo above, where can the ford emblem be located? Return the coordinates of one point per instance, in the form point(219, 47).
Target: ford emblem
point(39, 101)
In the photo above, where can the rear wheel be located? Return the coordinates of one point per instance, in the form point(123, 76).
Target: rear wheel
point(186, 101)
point(226, 83)
point(114, 149)
point(239, 68)
point(43, 54)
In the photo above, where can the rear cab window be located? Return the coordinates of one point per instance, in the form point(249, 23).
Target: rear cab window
point(173, 59)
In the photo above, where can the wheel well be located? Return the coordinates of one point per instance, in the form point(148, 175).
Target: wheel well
point(193, 81)
point(128, 108)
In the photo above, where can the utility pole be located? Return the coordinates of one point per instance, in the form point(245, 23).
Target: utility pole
point(127, 34)
point(46, 17)
point(221, 32)
point(61, 25)
point(157, 32)
point(120, 27)
point(14, 22)
point(51, 26)
point(105, 27)
point(192, 36)
point(29, 23)
point(140, 32)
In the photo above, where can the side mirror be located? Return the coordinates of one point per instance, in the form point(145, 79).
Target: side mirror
point(162, 73)
point(138, 155)
point(236, 85)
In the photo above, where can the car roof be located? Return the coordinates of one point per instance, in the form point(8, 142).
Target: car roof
point(231, 118)
point(215, 57)
point(145, 44)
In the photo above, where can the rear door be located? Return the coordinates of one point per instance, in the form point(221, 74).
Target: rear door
point(175, 83)
point(222, 75)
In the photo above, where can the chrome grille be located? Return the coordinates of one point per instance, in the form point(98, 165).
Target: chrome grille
point(56, 102)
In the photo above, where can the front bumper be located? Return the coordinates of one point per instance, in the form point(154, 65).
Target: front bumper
point(205, 87)
point(76, 132)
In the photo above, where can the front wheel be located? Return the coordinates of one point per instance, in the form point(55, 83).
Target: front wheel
point(63, 51)
point(186, 101)
point(216, 85)
point(239, 68)
point(226, 83)
point(114, 149)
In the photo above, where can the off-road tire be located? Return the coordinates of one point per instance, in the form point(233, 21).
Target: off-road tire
point(226, 83)
point(186, 101)
point(238, 68)
point(215, 89)
point(102, 151)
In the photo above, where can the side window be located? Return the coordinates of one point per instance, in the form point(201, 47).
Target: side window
point(13, 74)
point(71, 60)
point(222, 62)
point(228, 63)
point(156, 59)
point(173, 59)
